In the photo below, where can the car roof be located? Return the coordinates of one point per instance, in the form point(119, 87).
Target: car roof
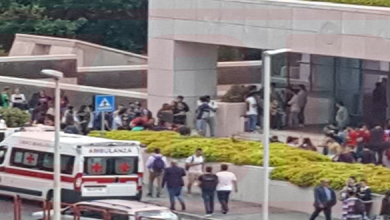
point(123, 205)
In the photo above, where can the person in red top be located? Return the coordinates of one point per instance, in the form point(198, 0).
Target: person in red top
point(352, 138)
point(363, 139)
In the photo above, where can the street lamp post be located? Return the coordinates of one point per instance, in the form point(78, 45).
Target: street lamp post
point(267, 57)
point(56, 75)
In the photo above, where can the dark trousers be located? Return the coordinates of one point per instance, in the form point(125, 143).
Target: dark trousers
point(367, 207)
point(327, 211)
point(208, 199)
point(301, 116)
point(223, 197)
point(175, 192)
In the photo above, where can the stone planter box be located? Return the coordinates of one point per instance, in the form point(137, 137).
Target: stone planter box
point(228, 118)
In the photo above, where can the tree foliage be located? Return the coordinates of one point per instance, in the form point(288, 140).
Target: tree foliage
point(116, 23)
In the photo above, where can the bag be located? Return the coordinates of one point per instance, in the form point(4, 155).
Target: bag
point(187, 165)
point(209, 181)
point(158, 164)
point(359, 207)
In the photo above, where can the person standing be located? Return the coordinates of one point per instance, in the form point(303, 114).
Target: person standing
point(342, 116)
point(325, 199)
point(366, 197)
point(156, 164)
point(173, 178)
point(18, 100)
point(302, 101)
point(251, 112)
point(5, 97)
point(385, 208)
point(294, 110)
point(203, 117)
point(208, 184)
point(379, 103)
point(180, 110)
point(194, 166)
point(376, 142)
point(227, 182)
point(354, 207)
point(83, 117)
point(367, 156)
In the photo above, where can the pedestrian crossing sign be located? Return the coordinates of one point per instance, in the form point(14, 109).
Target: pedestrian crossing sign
point(104, 103)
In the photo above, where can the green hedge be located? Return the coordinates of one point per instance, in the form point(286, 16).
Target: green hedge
point(300, 167)
point(14, 117)
point(383, 3)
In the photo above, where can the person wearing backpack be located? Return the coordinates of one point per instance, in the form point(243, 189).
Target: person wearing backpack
point(194, 166)
point(156, 164)
point(208, 183)
point(355, 207)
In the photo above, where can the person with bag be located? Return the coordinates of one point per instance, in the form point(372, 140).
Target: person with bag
point(355, 207)
point(208, 183)
point(204, 115)
point(156, 164)
point(194, 166)
point(385, 209)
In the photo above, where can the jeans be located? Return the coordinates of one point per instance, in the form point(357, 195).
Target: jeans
point(175, 192)
point(223, 197)
point(201, 126)
point(293, 119)
point(252, 122)
point(208, 198)
point(152, 177)
point(368, 207)
point(327, 211)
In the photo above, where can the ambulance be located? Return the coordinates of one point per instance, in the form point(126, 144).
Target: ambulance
point(91, 168)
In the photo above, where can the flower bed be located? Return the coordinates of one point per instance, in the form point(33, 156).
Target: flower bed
point(300, 167)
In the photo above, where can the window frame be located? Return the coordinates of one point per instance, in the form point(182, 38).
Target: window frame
point(111, 168)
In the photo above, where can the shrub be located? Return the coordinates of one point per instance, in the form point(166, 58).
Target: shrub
point(14, 117)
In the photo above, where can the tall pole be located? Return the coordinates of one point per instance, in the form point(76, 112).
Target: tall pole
point(266, 125)
point(57, 157)
point(266, 132)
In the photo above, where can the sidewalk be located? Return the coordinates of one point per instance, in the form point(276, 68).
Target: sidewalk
point(238, 210)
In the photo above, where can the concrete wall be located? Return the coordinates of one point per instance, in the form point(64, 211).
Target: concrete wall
point(30, 67)
point(282, 194)
point(88, 54)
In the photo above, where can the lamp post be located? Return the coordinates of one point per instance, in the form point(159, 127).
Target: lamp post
point(56, 75)
point(267, 57)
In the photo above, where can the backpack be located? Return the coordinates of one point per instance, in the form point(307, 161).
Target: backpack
point(209, 181)
point(158, 164)
point(358, 207)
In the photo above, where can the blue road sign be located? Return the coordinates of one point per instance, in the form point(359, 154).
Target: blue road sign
point(104, 103)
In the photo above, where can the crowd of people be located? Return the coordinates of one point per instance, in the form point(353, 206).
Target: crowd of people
point(356, 201)
point(221, 183)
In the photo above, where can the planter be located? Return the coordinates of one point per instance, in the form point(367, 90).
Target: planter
point(228, 120)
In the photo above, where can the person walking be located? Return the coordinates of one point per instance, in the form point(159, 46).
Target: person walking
point(325, 199)
point(227, 182)
point(385, 208)
point(251, 112)
point(208, 183)
point(342, 116)
point(194, 166)
point(354, 207)
point(156, 164)
point(302, 101)
point(366, 197)
point(294, 111)
point(173, 178)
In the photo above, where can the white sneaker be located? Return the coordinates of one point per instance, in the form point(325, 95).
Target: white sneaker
point(208, 215)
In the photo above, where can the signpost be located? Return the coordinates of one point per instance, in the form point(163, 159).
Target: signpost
point(104, 103)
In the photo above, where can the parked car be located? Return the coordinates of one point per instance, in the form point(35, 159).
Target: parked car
point(113, 210)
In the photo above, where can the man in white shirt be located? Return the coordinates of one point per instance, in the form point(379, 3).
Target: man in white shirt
point(194, 166)
point(227, 181)
point(156, 164)
point(251, 107)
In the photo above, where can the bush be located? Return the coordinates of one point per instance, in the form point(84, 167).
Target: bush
point(384, 3)
point(14, 117)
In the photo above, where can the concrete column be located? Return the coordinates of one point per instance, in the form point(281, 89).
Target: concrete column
point(180, 68)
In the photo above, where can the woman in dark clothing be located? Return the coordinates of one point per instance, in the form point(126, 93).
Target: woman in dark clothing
point(347, 156)
point(385, 210)
point(83, 117)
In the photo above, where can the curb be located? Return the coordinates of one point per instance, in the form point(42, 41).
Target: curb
point(194, 216)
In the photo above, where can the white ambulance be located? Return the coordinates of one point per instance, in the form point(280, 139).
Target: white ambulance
point(91, 168)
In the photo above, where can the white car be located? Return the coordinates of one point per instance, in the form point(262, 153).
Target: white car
point(113, 210)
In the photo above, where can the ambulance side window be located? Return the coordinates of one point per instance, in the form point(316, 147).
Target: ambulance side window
point(3, 152)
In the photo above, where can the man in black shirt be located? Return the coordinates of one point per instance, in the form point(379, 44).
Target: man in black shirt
point(208, 184)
